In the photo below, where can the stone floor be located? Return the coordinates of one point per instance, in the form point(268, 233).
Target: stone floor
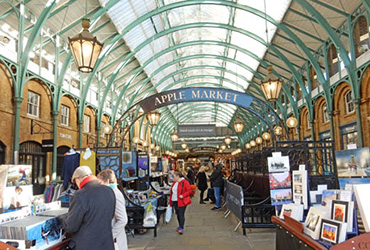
point(204, 229)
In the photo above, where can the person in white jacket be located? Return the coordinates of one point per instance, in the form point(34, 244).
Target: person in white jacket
point(107, 177)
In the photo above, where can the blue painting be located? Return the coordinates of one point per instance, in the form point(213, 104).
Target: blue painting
point(353, 162)
point(351, 181)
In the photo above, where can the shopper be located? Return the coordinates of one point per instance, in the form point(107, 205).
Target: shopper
point(180, 198)
point(107, 177)
point(217, 183)
point(90, 214)
point(191, 176)
point(202, 183)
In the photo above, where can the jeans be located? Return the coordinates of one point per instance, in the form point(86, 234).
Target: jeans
point(218, 196)
point(180, 212)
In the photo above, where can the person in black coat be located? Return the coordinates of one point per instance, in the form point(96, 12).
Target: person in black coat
point(202, 183)
point(217, 183)
point(90, 213)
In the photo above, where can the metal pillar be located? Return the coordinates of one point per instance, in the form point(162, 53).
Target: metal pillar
point(357, 103)
point(80, 127)
point(17, 118)
point(55, 144)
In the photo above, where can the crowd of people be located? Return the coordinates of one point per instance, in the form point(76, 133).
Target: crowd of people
point(199, 176)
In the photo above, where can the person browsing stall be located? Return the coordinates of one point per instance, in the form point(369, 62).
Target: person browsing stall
point(107, 177)
point(217, 182)
point(180, 198)
point(90, 214)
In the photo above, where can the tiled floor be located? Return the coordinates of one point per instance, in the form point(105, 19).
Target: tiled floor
point(204, 229)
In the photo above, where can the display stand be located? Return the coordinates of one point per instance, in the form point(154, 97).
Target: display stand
point(289, 235)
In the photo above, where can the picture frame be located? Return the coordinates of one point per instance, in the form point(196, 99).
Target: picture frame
point(329, 231)
point(278, 164)
point(127, 157)
point(339, 210)
point(280, 180)
point(312, 223)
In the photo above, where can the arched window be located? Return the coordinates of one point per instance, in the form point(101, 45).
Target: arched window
point(350, 108)
point(332, 60)
point(309, 126)
point(313, 78)
point(2, 153)
point(325, 113)
point(361, 36)
point(30, 153)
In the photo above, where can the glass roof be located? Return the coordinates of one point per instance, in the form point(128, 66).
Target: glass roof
point(201, 64)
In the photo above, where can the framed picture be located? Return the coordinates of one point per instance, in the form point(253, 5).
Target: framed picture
point(353, 162)
point(127, 157)
point(339, 210)
point(297, 178)
point(281, 196)
point(280, 180)
point(330, 231)
point(278, 164)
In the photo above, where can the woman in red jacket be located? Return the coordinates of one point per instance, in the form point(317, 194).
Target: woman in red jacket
point(180, 198)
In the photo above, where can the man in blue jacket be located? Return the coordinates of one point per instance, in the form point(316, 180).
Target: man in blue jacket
point(217, 182)
point(90, 213)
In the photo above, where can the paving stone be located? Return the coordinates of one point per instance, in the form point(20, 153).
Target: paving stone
point(204, 230)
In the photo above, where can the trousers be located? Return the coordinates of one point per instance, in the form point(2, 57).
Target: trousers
point(217, 196)
point(180, 212)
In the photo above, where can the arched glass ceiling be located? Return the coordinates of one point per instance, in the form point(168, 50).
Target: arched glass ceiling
point(200, 13)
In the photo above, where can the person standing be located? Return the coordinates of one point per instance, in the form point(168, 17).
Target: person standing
point(107, 177)
point(202, 183)
point(90, 214)
point(191, 175)
point(217, 182)
point(180, 198)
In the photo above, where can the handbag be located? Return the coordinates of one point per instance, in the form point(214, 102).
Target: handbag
point(168, 214)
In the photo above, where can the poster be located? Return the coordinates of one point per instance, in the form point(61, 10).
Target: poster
point(353, 162)
point(278, 164)
point(19, 175)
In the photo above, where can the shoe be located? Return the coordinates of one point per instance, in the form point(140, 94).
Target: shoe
point(216, 208)
point(206, 199)
point(212, 202)
point(202, 202)
point(180, 230)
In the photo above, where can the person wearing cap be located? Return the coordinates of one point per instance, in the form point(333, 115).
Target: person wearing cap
point(90, 213)
point(108, 178)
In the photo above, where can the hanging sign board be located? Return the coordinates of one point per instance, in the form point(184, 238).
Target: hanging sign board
point(204, 149)
point(47, 145)
point(195, 95)
point(196, 130)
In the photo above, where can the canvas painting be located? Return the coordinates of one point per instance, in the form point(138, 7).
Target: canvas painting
point(19, 175)
point(339, 210)
point(328, 195)
point(329, 231)
point(127, 157)
point(347, 183)
point(278, 164)
point(280, 180)
point(281, 196)
point(353, 162)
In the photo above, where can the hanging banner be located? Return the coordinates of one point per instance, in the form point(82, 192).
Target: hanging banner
point(204, 149)
point(196, 130)
point(195, 95)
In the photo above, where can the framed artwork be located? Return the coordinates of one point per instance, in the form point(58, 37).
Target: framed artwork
point(339, 210)
point(333, 232)
point(328, 195)
point(292, 210)
point(127, 157)
point(278, 164)
point(300, 187)
point(19, 175)
point(281, 196)
point(353, 162)
point(329, 231)
point(280, 180)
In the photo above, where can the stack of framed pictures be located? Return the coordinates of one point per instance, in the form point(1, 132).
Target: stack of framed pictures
point(280, 179)
point(332, 232)
point(313, 220)
point(300, 188)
